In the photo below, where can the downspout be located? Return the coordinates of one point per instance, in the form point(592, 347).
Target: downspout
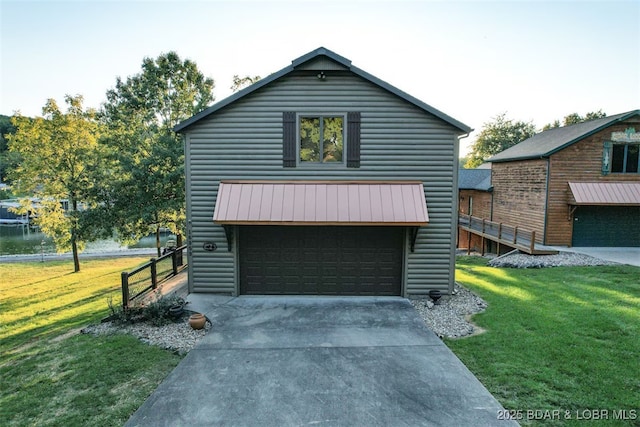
point(546, 202)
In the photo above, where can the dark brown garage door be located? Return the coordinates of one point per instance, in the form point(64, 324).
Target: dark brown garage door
point(321, 260)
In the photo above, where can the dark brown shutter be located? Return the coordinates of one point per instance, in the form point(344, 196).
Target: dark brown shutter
point(289, 139)
point(353, 140)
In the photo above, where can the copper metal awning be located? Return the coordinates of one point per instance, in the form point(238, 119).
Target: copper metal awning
point(395, 203)
point(605, 193)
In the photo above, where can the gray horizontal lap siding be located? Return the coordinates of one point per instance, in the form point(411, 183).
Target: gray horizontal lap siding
point(398, 142)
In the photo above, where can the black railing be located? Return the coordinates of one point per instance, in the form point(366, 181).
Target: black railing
point(146, 278)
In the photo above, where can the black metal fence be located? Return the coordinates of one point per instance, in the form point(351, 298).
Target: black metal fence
point(146, 278)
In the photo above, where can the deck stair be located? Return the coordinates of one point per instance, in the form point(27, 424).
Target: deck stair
point(507, 235)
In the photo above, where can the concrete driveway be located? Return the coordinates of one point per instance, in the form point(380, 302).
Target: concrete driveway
point(630, 256)
point(294, 361)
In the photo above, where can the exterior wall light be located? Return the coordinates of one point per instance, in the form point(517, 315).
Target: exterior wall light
point(435, 295)
point(321, 75)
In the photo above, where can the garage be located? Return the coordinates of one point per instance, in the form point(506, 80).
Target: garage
point(606, 226)
point(308, 260)
point(605, 214)
point(321, 237)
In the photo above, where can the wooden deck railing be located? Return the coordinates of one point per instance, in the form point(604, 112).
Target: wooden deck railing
point(505, 234)
point(146, 277)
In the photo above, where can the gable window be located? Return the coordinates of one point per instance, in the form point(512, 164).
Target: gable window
point(315, 139)
point(321, 139)
point(624, 158)
point(621, 158)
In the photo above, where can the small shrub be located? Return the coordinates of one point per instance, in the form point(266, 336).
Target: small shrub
point(157, 312)
point(118, 314)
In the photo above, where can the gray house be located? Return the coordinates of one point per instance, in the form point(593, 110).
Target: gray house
point(321, 179)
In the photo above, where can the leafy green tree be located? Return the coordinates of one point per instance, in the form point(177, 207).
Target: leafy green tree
point(462, 161)
point(242, 82)
point(7, 159)
point(497, 136)
point(575, 118)
point(58, 155)
point(147, 191)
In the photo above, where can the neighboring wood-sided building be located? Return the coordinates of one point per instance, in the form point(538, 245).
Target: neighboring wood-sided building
point(321, 179)
point(474, 198)
point(576, 185)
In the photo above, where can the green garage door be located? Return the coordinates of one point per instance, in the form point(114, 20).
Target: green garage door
point(309, 260)
point(606, 226)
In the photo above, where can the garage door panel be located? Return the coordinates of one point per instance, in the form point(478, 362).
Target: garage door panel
point(321, 260)
point(606, 226)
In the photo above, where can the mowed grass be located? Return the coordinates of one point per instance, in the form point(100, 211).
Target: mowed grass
point(50, 375)
point(562, 338)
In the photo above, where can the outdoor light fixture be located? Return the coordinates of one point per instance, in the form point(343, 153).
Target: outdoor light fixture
point(435, 295)
point(321, 75)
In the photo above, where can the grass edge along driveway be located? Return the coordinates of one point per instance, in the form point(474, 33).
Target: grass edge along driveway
point(49, 375)
point(561, 339)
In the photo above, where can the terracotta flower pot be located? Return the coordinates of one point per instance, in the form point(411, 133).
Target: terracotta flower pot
point(197, 321)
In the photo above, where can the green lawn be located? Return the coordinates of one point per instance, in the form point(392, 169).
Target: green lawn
point(558, 339)
point(52, 376)
point(563, 338)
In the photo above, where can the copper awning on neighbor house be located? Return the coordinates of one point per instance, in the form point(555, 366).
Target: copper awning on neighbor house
point(395, 203)
point(605, 193)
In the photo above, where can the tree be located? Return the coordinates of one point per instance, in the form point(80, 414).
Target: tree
point(575, 118)
point(7, 159)
point(497, 136)
point(242, 82)
point(58, 155)
point(462, 161)
point(147, 192)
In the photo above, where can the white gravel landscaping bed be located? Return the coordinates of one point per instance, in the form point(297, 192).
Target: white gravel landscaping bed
point(176, 336)
point(449, 318)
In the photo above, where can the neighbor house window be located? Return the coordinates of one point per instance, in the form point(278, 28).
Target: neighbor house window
point(321, 139)
point(315, 139)
point(624, 158)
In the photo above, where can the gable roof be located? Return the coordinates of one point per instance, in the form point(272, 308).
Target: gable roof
point(297, 64)
point(474, 179)
point(553, 140)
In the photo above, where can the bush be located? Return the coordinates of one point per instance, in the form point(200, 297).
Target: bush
point(156, 312)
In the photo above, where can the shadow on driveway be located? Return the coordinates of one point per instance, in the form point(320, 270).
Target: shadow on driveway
point(293, 361)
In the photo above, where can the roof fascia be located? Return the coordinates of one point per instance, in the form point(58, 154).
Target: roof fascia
point(233, 98)
point(596, 130)
point(321, 52)
point(573, 141)
point(464, 129)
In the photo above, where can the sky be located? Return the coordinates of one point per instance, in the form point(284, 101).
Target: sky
point(536, 61)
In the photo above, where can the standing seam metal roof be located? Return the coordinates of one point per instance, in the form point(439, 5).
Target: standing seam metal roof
point(321, 203)
point(340, 60)
point(605, 193)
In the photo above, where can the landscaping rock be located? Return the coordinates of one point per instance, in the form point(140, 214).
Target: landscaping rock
point(449, 317)
point(177, 336)
point(563, 259)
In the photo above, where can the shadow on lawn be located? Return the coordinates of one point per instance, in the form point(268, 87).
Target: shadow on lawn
point(615, 288)
point(55, 320)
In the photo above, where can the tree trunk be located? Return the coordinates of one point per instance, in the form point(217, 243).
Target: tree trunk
point(74, 249)
point(74, 244)
point(179, 244)
point(158, 240)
